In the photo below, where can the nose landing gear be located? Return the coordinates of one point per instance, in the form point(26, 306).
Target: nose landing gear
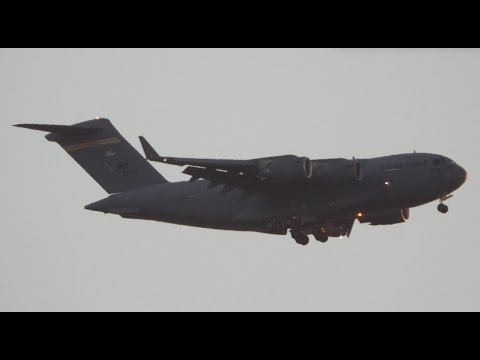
point(442, 207)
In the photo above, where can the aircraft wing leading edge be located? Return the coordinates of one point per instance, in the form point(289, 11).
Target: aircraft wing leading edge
point(228, 165)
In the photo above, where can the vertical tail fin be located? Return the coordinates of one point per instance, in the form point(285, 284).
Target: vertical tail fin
point(104, 154)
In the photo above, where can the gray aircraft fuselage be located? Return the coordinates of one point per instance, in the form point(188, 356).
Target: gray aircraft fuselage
point(389, 183)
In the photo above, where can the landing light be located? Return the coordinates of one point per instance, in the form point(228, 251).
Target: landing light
point(360, 214)
point(387, 183)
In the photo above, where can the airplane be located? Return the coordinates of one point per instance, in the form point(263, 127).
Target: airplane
point(272, 195)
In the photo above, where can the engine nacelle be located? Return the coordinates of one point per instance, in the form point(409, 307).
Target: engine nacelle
point(386, 218)
point(338, 171)
point(286, 169)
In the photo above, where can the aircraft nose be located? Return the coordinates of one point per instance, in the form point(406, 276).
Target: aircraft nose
point(462, 173)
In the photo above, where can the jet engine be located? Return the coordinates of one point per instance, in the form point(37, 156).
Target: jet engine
point(338, 171)
point(286, 169)
point(386, 218)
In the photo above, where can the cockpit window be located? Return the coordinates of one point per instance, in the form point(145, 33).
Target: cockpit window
point(443, 161)
point(436, 162)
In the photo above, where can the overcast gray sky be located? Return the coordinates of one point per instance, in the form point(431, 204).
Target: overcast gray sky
point(54, 255)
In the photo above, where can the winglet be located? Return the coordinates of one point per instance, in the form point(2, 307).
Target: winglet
point(150, 153)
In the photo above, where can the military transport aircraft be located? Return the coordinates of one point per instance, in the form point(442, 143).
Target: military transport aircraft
point(271, 195)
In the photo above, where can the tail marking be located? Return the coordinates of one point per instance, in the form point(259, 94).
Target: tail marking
point(89, 144)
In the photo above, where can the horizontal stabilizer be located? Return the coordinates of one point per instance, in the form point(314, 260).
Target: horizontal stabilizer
point(60, 129)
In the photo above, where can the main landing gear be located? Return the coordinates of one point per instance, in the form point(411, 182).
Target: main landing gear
point(300, 237)
point(303, 239)
point(299, 231)
point(442, 207)
point(322, 237)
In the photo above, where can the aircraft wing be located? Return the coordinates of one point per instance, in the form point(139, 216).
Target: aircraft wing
point(243, 174)
point(232, 174)
point(244, 166)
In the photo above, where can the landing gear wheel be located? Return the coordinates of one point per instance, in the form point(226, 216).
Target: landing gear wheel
point(303, 240)
point(442, 208)
point(323, 238)
point(300, 238)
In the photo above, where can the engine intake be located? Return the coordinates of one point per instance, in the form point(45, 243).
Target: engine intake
point(286, 169)
point(386, 218)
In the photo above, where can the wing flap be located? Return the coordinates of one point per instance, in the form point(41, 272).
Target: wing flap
point(218, 177)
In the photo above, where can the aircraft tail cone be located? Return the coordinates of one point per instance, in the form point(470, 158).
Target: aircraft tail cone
point(113, 205)
point(102, 206)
